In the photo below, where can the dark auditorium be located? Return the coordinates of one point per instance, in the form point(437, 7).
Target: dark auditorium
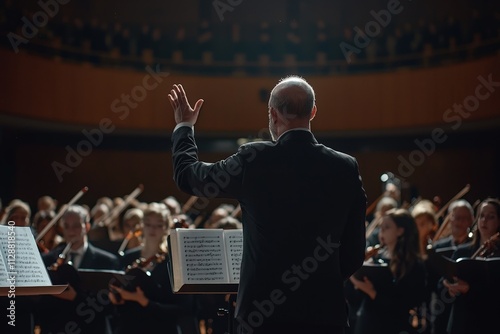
point(250, 167)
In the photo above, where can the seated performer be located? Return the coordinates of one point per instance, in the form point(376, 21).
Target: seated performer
point(84, 311)
point(151, 300)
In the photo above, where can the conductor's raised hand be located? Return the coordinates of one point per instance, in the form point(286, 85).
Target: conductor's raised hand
point(183, 111)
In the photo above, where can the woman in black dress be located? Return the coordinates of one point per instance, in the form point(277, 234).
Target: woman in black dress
point(147, 304)
point(387, 304)
point(471, 292)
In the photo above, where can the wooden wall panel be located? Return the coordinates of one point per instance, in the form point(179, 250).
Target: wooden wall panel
point(81, 94)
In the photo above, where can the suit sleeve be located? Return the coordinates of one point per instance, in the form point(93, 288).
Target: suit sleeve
point(220, 179)
point(353, 239)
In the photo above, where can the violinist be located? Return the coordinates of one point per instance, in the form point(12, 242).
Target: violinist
point(160, 311)
point(56, 311)
point(98, 232)
point(461, 217)
point(469, 313)
point(46, 203)
point(52, 237)
point(385, 204)
point(131, 227)
point(385, 307)
point(424, 214)
point(19, 212)
point(173, 205)
point(220, 212)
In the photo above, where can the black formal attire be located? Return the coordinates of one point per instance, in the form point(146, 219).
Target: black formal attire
point(24, 318)
point(477, 310)
point(165, 311)
point(440, 307)
point(389, 312)
point(94, 258)
point(88, 311)
point(303, 214)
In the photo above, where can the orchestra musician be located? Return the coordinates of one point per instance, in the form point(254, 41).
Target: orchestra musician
point(217, 214)
point(385, 204)
point(152, 302)
point(52, 237)
point(173, 205)
point(54, 312)
point(131, 227)
point(106, 231)
point(461, 217)
point(424, 214)
point(46, 203)
point(385, 307)
point(97, 232)
point(469, 313)
point(19, 212)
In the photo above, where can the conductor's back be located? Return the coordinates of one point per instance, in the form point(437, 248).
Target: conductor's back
point(303, 213)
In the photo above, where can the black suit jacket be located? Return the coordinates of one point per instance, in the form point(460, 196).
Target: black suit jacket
point(300, 200)
point(89, 309)
point(94, 258)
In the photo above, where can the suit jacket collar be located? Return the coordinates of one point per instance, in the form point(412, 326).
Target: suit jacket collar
point(301, 135)
point(88, 257)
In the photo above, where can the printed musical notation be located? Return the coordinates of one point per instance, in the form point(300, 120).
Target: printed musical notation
point(205, 256)
point(234, 245)
point(20, 258)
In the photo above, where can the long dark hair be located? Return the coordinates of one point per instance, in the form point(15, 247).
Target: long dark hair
point(476, 239)
point(407, 251)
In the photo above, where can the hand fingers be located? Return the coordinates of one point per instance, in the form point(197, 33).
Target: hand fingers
point(174, 95)
point(117, 289)
point(173, 103)
point(197, 106)
point(112, 298)
point(176, 92)
point(182, 95)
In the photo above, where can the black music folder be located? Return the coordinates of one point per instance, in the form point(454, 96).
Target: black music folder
point(94, 280)
point(446, 251)
point(485, 270)
point(378, 273)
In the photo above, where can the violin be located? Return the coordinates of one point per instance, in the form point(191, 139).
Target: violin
point(141, 270)
point(135, 233)
point(61, 273)
point(42, 248)
point(489, 248)
point(444, 229)
point(145, 264)
point(372, 251)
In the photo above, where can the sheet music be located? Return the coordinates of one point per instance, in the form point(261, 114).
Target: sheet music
point(25, 262)
point(3, 265)
point(202, 252)
point(234, 249)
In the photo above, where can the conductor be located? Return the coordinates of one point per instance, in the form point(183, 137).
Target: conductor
point(303, 213)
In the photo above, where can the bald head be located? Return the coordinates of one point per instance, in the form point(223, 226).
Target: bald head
point(293, 97)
